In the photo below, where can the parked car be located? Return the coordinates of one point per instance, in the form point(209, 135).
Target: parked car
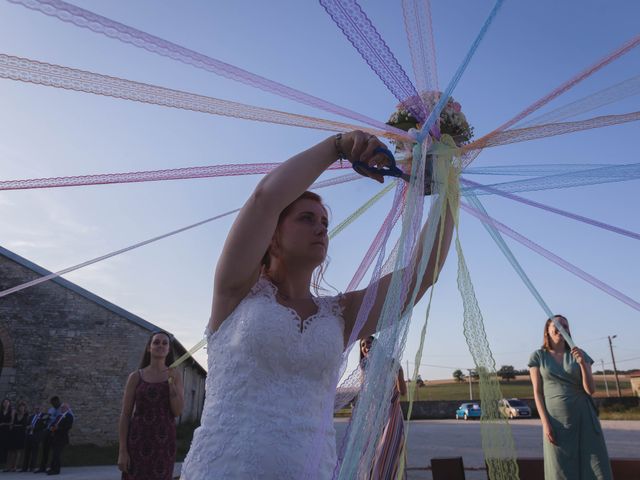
point(514, 408)
point(468, 410)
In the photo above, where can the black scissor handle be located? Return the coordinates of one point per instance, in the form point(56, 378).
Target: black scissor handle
point(390, 170)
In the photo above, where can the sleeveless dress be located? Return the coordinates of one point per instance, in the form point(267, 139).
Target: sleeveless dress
point(390, 459)
point(581, 452)
point(151, 440)
point(18, 433)
point(269, 392)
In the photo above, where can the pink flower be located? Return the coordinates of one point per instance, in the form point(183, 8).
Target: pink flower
point(456, 107)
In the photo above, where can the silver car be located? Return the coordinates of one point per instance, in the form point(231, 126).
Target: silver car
point(514, 408)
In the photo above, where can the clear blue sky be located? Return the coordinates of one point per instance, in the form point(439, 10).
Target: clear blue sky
point(531, 48)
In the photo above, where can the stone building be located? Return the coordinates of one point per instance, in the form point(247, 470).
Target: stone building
point(57, 338)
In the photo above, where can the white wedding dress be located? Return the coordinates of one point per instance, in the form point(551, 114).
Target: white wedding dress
point(268, 411)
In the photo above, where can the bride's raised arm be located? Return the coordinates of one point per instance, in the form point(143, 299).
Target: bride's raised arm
point(239, 264)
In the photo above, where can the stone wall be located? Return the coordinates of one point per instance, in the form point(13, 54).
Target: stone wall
point(59, 342)
point(7, 362)
point(625, 402)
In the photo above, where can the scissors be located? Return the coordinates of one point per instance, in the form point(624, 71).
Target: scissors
point(392, 169)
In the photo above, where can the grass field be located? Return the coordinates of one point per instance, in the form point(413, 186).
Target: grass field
point(618, 412)
point(519, 388)
point(460, 391)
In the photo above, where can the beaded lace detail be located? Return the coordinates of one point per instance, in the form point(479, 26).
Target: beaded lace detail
point(269, 384)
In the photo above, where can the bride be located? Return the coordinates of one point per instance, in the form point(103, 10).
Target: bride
point(274, 349)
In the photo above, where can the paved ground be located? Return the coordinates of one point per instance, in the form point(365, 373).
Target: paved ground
point(451, 438)
point(106, 472)
point(428, 439)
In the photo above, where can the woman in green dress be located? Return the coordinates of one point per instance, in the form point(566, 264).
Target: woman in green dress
point(574, 446)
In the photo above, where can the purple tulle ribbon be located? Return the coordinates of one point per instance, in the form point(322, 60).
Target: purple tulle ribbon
point(548, 208)
point(99, 24)
point(357, 27)
point(553, 257)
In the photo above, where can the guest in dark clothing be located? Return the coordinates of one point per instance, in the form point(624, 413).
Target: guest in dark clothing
point(54, 411)
point(60, 437)
point(6, 415)
point(35, 432)
point(153, 397)
point(17, 436)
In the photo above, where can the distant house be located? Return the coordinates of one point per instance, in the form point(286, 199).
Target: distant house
point(57, 338)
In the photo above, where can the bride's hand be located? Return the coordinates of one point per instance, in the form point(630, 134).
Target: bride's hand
point(360, 146)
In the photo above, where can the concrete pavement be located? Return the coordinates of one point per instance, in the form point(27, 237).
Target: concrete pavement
point(427, 439)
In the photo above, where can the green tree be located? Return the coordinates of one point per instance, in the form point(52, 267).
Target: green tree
point(507, 372)
point(458, 375)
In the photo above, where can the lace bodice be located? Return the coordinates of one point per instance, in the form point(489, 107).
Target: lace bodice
point(269, 391)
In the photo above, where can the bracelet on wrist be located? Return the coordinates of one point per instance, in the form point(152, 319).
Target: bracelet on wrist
point(337, 142)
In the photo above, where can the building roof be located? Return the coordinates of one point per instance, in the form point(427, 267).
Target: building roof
point(92, 297)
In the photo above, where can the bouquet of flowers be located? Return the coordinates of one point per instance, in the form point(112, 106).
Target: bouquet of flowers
point(452, 121)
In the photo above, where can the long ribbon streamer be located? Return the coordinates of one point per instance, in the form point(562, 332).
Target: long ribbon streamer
point(51, 75)
point(86, 19)
point(357, 27)
point(366, 206)
point(419, 29)
point(595, 176)
point(546, 176)
point(533, 170)
point(376, 245)
point(560, 128)
point(519, 270)
point(78, 266)
point(609, 95)
point(549, 208)
point(367, 419)
point(26, 70)
point(614, 55)
point(493, 232)
point(435, 114)
point(553, 257)
point(212, 171)
point(497, 439)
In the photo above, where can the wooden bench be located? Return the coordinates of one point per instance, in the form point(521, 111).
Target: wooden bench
point(450, 468)
point(622, 468)
point(625, 468)
point(530, 468)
